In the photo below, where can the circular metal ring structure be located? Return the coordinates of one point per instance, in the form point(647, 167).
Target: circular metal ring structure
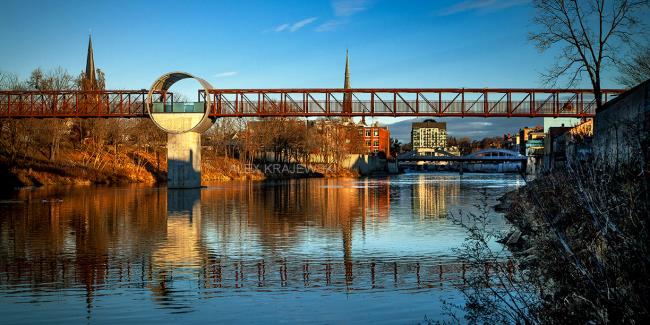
point(179, 122)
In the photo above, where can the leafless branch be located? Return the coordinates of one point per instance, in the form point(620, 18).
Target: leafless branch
point(591, 34)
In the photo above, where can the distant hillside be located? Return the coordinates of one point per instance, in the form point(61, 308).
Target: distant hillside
point(473, 127)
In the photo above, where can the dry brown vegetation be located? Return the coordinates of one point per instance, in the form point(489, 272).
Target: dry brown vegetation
point(580, 245)
point(37, 152)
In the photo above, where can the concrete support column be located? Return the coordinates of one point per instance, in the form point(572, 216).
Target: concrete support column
point(183, 130)
point(184, 160)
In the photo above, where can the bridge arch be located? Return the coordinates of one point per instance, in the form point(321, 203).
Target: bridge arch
point(494, 152)
point(179, 122)
point(183, 131)
point(444, 152)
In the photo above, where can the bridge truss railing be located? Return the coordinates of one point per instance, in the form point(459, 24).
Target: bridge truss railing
point(406, 102)
point(315, 102)
point(110, 103)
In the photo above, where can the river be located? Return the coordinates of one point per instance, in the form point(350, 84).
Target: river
point(370, 250)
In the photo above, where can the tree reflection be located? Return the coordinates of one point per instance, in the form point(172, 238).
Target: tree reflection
point(231, 236)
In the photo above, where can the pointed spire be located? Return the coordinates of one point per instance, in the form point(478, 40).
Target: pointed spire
point(347, 99)
point(91, 80)
point(346, 84)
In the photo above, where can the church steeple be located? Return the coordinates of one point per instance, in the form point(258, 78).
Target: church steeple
point(347, 98)
point(346, 84)
point(90, 81)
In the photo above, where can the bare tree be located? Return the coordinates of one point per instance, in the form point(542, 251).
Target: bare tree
point(221, 137)
point(4, 79)
point(338, 140)
point(10, 129)
point(52, 131)
point(84, 127)
point(86, 84)
point(636, 69)
point(590, 34)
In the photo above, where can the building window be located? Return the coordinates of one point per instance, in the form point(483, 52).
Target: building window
point(376, 143)
point(376, 133)
point(367, 133)
point(368, 143)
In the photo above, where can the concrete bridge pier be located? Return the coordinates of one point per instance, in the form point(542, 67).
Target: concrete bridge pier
point(184, 160)
point(184, 123)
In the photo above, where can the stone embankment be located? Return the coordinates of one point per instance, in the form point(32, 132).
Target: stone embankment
point(518, 240)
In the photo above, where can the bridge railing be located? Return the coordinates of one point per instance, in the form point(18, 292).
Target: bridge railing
point(179, 107)
point(406, 102)
point(227, 107)
point(314, 102)
point(110, 103)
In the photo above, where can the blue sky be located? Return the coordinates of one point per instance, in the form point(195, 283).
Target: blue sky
point(475, 43)
point(272, 44)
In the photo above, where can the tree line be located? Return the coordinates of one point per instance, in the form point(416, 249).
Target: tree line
point(248, 140)
point(45, 138)
point(285, 140)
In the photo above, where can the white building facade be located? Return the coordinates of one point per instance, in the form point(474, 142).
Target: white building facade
point(429, 136)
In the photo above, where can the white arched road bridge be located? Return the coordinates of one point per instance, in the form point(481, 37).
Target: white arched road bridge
point(482, 156)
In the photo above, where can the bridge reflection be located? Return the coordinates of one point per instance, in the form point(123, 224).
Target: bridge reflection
point(244, 236)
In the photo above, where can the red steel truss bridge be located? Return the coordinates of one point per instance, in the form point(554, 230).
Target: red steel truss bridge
point(325, 102)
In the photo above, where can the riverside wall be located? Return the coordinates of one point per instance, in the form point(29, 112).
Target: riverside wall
point(622, 128)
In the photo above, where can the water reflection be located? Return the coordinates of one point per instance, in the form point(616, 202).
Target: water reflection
point(431, 196)
point(176, 246)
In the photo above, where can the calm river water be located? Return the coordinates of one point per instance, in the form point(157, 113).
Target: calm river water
point(310, 251)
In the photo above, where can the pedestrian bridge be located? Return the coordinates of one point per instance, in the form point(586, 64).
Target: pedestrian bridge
point(330, 102)
point(184, 122)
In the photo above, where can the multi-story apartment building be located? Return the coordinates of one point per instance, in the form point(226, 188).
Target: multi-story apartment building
point(428, 135)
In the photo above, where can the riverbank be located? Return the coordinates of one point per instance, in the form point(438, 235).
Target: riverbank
point(79, 167)
point(581, 238)
point(135, 165)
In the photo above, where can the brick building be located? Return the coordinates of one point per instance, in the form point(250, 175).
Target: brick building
point(376, 139)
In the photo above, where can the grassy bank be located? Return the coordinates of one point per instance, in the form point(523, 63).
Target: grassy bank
point(128, 165)
point(136, 165)
point(82, 167)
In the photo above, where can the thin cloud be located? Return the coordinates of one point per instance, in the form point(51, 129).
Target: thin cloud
point(281, 28)
point(480, 123)
point(481, 6)
point(226, 74)
point(349, 7)
point(298, 25)
point(329, 26)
